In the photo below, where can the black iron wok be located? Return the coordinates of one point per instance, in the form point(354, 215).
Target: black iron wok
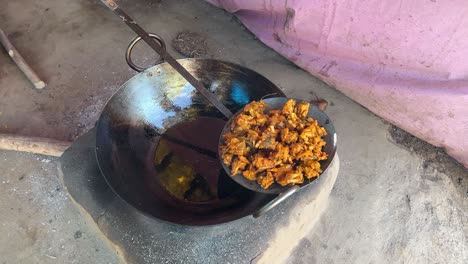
point(157, 108)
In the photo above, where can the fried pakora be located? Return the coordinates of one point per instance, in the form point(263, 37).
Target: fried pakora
point(282, 145)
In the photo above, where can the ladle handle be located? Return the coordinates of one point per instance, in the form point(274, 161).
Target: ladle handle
point(281, 197)
point(211, 97)
point(128, 53)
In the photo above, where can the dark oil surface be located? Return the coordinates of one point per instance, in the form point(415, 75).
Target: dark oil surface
point(187, 162)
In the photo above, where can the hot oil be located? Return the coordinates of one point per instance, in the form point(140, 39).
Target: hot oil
point(187, 162)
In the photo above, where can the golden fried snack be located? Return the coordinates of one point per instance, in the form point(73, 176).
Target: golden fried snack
point(250, 175)
point(262, 163)
point(239, 163)
point(282, 146)
point(266, 180)
point(291, 177)
point(288, 108)
point(302, 109)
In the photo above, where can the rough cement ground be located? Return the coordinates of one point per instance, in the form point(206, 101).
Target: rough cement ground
point(391, 203)
point(389, 206)
point(39, 221)
point(190, 44)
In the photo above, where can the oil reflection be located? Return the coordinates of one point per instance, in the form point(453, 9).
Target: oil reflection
point(187, 163)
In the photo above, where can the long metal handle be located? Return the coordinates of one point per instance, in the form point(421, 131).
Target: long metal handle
point(112, 5)
point(281, 197)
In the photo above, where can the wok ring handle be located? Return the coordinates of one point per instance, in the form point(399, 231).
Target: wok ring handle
point(128, 53)
point(281, 197)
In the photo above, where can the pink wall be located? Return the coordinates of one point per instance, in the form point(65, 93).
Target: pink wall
point(407, 61)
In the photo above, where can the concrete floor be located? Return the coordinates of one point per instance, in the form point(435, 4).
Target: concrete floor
point(39, 221)
point(396, 199)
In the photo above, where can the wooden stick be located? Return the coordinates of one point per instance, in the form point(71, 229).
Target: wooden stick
point(18, 59)
point(44, 146)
